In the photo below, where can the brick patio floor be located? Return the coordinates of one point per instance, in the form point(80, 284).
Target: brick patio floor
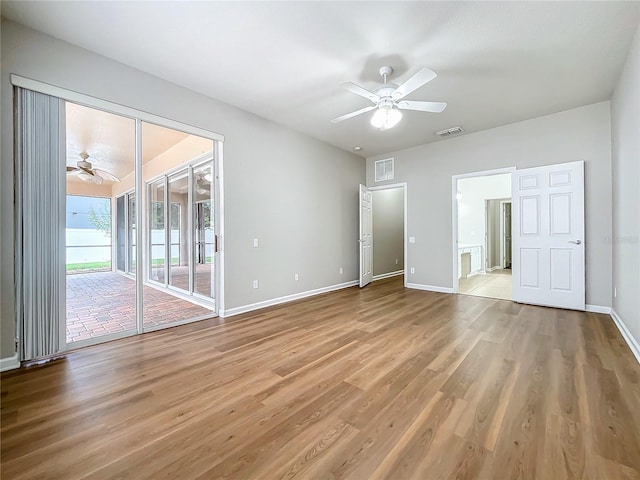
point(100, 303)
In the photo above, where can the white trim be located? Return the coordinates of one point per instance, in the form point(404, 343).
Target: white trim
point(597, 309)
point(141, 227)
point(9, 363)
point(287, 298)
point(491, 269)
point(219, 271)
point(626, 334)
point(89, 342)
point(100, 104)
point(454, 213)
point(430, 288)
point(388, 275)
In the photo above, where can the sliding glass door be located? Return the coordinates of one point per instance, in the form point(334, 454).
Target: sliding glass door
point(140, 220)
point(180, 232)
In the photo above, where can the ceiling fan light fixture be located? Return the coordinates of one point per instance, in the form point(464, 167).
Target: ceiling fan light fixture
point(386, 117)
point(85, 177)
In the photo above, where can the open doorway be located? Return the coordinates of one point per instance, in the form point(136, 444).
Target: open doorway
point(383, 232)
point(482, 241)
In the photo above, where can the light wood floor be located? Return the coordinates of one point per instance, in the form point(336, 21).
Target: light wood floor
point(495, 284)
point(361, 384)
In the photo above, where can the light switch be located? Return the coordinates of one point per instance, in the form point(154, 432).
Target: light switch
point(412, 239)
point(256, 243)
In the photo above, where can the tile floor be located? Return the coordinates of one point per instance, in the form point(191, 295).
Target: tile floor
point(496, 284)
point(100, 303)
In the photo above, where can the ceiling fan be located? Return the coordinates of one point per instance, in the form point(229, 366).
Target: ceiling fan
point(387, 99)
point(86, 172)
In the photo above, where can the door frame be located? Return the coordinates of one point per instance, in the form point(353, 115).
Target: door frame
point(139, 116)
point(454, 214)
point(405, 187)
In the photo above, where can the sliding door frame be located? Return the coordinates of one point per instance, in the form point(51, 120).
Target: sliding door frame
point(140, 116)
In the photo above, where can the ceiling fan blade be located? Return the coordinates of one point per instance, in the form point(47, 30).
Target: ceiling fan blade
point(353, 88)
point(434, 107)
point(106, 175)
point(423, 76)
point(72, 169)
point(354, 114)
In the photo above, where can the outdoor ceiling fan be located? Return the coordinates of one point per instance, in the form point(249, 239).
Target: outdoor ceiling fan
point(85, 171)
point(387, 99)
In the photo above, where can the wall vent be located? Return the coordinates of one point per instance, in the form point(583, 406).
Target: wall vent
point(384, 169)
point(449, 131)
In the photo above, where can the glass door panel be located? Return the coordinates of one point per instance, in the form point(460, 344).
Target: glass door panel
point(179, 199)
point(157, 232)
point(178, 226)
point(100, 300)
point(203, 230)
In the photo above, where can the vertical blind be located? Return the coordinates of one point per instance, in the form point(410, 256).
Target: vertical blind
point(39, 221)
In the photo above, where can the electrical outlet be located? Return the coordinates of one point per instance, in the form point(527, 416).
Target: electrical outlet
point(615, 292)
point(341, 271)
point(256, 244)
point(255, 284)
point(296, 277)
point(396, 261)
point(413, 270)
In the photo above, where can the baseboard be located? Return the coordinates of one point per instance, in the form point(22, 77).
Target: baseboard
point(430, 288)
point(9, 363)
point(388, 275)
point(598, 309)
point(287, 298)
point(626, 334)
point(491, 269)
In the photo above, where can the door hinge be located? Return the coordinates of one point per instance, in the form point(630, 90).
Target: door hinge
point(216, 245)
point(17, 344)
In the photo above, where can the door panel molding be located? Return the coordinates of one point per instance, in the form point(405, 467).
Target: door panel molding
point(556, 276)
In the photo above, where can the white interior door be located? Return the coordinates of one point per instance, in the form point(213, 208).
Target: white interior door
point(548, 235)
point(366, 236)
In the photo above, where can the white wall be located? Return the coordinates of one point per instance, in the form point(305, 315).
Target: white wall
point(625, 133)
point(471, 207)
point(388, 230)
point(578, 134)
point(296, 194)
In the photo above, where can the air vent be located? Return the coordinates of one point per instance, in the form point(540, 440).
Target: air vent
point(384, 169)
point(449, 131)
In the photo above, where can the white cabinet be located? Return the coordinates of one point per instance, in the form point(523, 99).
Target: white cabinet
point(476, 260)
point(474, 252)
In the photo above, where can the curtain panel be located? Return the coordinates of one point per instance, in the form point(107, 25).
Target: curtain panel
point(40, 223)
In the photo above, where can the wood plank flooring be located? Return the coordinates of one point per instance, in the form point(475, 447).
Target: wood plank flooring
point(379, 383)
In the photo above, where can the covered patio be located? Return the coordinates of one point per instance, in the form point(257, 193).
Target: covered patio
point(101, 303)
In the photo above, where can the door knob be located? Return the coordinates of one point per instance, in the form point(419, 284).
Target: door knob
point(577, 242)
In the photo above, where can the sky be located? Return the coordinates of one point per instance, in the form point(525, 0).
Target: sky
point(78, 210)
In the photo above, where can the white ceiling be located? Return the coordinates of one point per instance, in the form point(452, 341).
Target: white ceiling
point(497, 62)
